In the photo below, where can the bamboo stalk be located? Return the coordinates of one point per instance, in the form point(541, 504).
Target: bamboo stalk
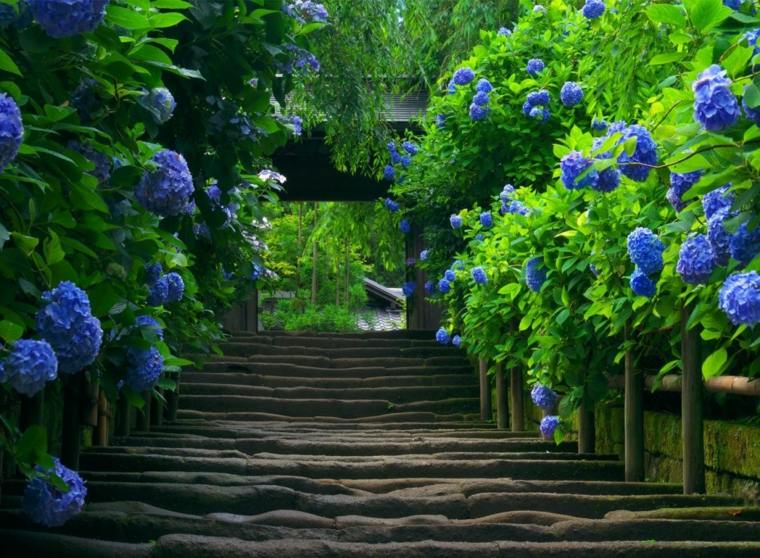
point(737, 385)
point(634, 419)
point(485, 391)
point(502, 410)
point(586, 429)
point(517, 400)
point(101, 437)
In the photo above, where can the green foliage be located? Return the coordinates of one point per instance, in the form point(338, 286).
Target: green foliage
point(293, 315)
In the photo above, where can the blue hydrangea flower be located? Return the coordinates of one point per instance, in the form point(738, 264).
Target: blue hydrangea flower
point(739, 298)
point(645, 250)
point(463, 76)
point(535, 274)
point(389, 173)
point(166, 190)
point(573, 165)
point(404, 226)
point(449, 275)
point(645, 154)
point(479, 274)
point(484, 86)
point(481, 99)
point(29, 366)
point(44, 504)
point(752, 40)
point(535, 99)
point(535, 66)
point(599, 124)
point(297, 123)
point(391, 205)
point(571, 94)
point(101, 161)
point(429, 287)
point(442, 336)
point(456, 221)
point(609, 179)
point(153, 272)
point(458, 264)
point(11, 130)
point(539, 9)
point(149, 323)
point(679, 185)
point(67, 324)
point(440, 120)
point(444, 286)
point(144, 366)
point(405, 161)
point(256, 272)
point(593, 9)
point(718, 199)
point(408, 288)
point(410, 147)
point(504, 32)
point(548, 425)
point(506, 193)
point(456, 341)
point(424, 255)
point(65, 18)
point(516, 208)
point(159, 291)
point(641, 284)
point(696, 260)
point(543, 397)
point(719, 237)
point(540, 114)
point(715, 106)
point(478, 113)
point(175, 287)
point(486, 219)
point(160, 103)
point(744, 244)
point(306, 11)
point(733, 4)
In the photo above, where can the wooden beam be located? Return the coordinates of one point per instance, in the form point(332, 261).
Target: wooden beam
point(633, 420)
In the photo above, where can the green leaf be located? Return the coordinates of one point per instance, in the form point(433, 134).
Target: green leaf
point(32, 446)
point(706, 14)
point(126, 18)
point(713, 365)
point(25, 243)
point(666, 58)
point(667, 13)
point(10, 331)
point(7, 64)
point(752, 95)
point(52, 249)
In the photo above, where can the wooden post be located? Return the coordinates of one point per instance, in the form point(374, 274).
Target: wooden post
point(252, 312)
point(634, 418)
point(501, 399)
point(157, 409)
point(143, 416)
point(586, 432)
point(124, 416)
point(32, 410)
point(172, 401)
point(516, 400)
point(691, 409)
point(73, 393)
point(101, 432)
point(485, 391)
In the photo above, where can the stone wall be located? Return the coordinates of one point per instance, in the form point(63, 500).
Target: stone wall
point(732, 450)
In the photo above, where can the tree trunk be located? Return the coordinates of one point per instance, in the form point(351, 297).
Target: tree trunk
point(299, 249)
point(586, 430)
point(337, 282)
point(143, 417)
point(501, 399)
point(634, 418)
point(347, 263)
point(691, 409)
point(485, 391)
point(101, 433)
point(517, 400)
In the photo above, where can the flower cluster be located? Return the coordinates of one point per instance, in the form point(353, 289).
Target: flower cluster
point(543, 397)
point(456, 221)
point(744, 244)
point(444, 286)
point(144, 366)
point(167, 190)
point(504, 32)
point(408, 288)
point(424, 255)
point(535, 66)
point(11, 130)
point(572, 166)
point(719, 237)
point(150, 324)
point(404, 226)
point(593, 9)
point(679, 185)
point(599, 124)
point(696, 259)
point(486, 219)
point(715, 106)
point(442, 336)
point(637, 165)
point(167, 288)
point(67, 323)
point(479, 275)
point(571, 94)
point(479, 108)
point(429, 287)
point(456, 341)
point(535, 274)
point(463, 76)
point(548, 425)
point(103, 163)
point(645, 250)
point(300, 59)
point(44, 504)
point(65, 18)
point(716, 200)
point(536, 105)
point(306, 10)
point(159, 102)
point(739, 298)
point(641, 284)
point(29, 366)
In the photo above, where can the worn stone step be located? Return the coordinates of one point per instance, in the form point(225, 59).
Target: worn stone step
point(329, 382)
point(251, 348)
point(404, 394)
point(400, 334)
point(367, 362)
point(386, 467)
point(334, 342)
point(308, 407)
point(322, 369)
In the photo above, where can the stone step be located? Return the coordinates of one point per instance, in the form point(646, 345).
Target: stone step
point(334, 382)
point(250, 348)
point(383, 467)
point(399, 335)
point(367, 362)
point(324, 370)
point(341, 408)
point(390, 421)
point(335, 342)
point(404, 394)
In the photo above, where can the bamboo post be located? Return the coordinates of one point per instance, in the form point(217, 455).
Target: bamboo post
point(517, 400)
point(73, 393)
point(586, 430)
point(691, 410)
point(157, 410)
point(124, 416)
point(485, 391)
point(501, 399)
point(32, 410)
point(633, 419)
point(143, 417)
point(101, 432)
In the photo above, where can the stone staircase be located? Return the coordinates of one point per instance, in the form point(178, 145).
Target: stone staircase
point(311, 446)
